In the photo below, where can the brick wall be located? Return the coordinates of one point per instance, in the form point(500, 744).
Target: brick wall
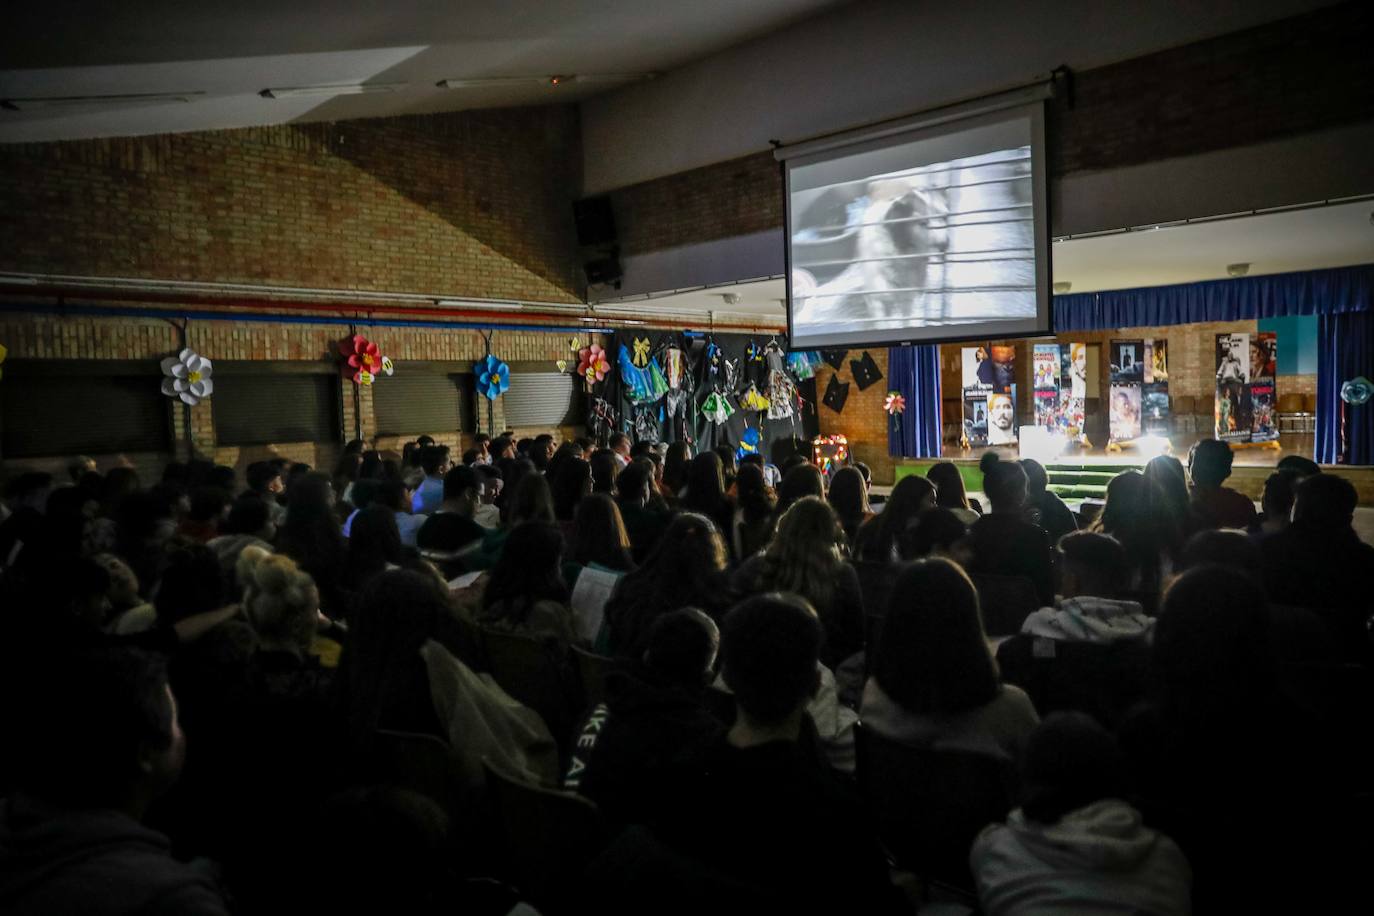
point(468, 204)
point(34, 336)
point(1299, 75)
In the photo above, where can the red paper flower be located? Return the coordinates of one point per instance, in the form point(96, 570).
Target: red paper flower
point(364, 359)
point(592, 363)
point(894, 403)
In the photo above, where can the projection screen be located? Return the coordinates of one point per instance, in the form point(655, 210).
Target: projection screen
point(932, 233)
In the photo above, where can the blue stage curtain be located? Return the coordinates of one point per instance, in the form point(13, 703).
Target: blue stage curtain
point(1312, 292)
point(914, 372)
point(1346, 350)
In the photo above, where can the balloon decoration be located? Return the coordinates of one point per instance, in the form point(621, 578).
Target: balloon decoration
point(187, 376)
point(592, 364)
point(493, 377)
point(363, 360)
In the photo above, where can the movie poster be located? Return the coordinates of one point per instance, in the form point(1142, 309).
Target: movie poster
point(1233, 414)
point(989, 376)
point(1264, 349)
point(1078, 371)
point(1046, 365)
point(1048, 408)
point(1154, 395)
point(1129, 362)
point(1125, 412)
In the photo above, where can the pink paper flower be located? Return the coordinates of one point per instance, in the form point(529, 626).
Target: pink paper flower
point(592, 363)
point(364, 359)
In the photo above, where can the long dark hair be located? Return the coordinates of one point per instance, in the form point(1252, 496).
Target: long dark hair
point(1168, 473)
point(675, 466)
point(751, 493)
point(804, 555)
point(705, 485)
point(571, 480)
point(949, 485)
point(311, 535)
point(599, 535)
point(803, 480)
point(685, 569)
point(529, 571)
point(374, 540)
point(533, 501)
point(932, 656)
point(887, 531)
point(1137, 513)
point(605, 469)
point(848, 496)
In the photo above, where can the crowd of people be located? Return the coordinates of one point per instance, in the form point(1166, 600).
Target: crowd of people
point(205, 674)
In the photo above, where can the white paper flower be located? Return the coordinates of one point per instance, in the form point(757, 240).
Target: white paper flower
point(188, 377)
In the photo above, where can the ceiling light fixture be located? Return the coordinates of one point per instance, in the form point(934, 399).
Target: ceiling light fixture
point(1063, 286)
point(76, 101)
point(1238, 270)
point(316, 91)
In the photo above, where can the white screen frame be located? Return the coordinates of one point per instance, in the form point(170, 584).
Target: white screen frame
point(940, 124)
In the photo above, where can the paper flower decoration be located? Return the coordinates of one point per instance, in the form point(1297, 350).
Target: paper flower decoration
point(493, 377)
point(364, 360)
point(592, 363)
point(187, 377)
point(1357, 391)
point(749, 442)
point(894, 403)
point(3, 354)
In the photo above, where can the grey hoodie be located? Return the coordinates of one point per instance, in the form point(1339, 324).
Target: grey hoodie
point(96, 863)
point(1098, 859)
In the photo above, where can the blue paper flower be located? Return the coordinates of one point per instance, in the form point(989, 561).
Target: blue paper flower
point(749, 442)
point(493, 377)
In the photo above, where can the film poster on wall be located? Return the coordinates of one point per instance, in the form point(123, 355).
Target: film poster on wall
point(989, 388)
point(1246, 388)
point(1154, 393)
point(1128, 378)
point(1058, 374)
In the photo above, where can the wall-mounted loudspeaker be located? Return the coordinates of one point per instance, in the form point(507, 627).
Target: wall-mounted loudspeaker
point(603, 270)
point(595, 221)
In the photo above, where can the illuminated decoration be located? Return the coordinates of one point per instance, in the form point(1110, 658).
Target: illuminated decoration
point(829, 453)
point(1357, 391)
point(3, 353)
point(592, 364)
point(749, 442)
point(187, 377)
point(363, 360)
point(894, 403)
point(493, 377)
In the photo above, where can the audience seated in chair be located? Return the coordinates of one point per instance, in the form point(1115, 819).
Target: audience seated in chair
point(1074, 844)
point(1044, 508)
point(883, 538)
point(1216, 506)
point(452, 527)
point(1003, 542)
point(934, 682)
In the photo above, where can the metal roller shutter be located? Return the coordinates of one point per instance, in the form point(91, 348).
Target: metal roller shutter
point(262, 409)
point(422, 402)
point(542, 399)
point(90, 414)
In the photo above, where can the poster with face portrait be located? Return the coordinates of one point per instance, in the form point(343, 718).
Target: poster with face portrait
point(1154, 394)
point(1232, 414)
point(1124, 406)
point(989, 376)
point(1128, 361)
point(1078, 370)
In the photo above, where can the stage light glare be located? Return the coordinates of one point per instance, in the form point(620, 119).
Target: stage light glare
point(1044, 445)
point(1153, 446)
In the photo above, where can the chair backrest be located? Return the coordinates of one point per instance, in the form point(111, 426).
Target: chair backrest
point(549, 837)
point(1290, 403)
point(1183, 404)
point(532, 672)
point(463, 638)
point(1006, 602)
point(930, 804)
point(421, 763)
point(1104, 680)
point(591, 672)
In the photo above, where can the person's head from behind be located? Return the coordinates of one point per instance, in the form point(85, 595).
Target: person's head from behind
point(280, 601)
point(1303, 467)
point(1005, 485)
point(675, 465)
point(848, 495)
point(619, 443)
point(937, 532)
point(530, 570)
point(909, 498)
point(434, 460)
point(572, 480)
point(751, 492)
point(1212, 656)
point(809, 535)
point(690, 554)
point(1037, 480)
point(1209, 463)
point(1091, 565)
point(803, 480)
point(250, 516)
point(462, 490)
point(374, 540)
point(949, 485)
point(193, 582)
point(1326, 502)
point(1279, 493)
point(729, 463)
point(532, 500)
point(753, 458)
point(311, 491)
point(1167, 472)
point(865, 472)
point(79, 466)
point(492, 483)
point(705, 482)
point(769, 649)
point(501, 447)
point(1222, 547)
point(97, 729)
point(1070, 762)
point(393, 494)
point(633, 485)
point(599, 534)
point(605, 468)
point(682, 647)
point(208, 504)
point(932, 656)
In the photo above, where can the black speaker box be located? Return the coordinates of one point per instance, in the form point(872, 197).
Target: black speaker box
point(595, 221)
point(603, 270)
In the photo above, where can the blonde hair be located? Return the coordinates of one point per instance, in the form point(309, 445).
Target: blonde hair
point(281, 602)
